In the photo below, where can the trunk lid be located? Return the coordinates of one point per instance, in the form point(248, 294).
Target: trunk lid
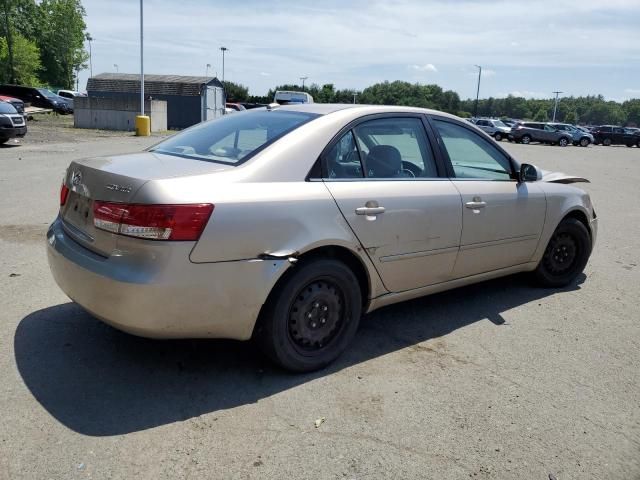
point(116, 179)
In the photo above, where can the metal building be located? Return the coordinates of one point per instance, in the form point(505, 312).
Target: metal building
point(189, 99)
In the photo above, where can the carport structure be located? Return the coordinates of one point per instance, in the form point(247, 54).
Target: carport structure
point(189, 99)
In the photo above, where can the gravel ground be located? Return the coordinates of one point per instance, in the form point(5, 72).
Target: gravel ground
point(498, 380)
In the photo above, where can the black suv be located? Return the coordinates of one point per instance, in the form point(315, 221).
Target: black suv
point(614, 135)
point(12, 124)
point(38, 97)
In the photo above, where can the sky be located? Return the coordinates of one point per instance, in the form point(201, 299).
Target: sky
point(526, 48)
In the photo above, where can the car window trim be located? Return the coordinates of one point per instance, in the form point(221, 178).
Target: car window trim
point(513, 175)
point(440, 169)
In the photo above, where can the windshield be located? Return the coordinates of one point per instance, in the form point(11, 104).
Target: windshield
point(47, 93)
point(233, 139)
point(7, 108)
point(499, 123)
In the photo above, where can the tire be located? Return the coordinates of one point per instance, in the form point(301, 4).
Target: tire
point(3, 140)
point(629, 145)
point(606, 142)
point(584, 142)
point(638, 144)
point(526, 139)
point(498, 137)
point(566, 254)
point(292, 331)
point(563, 142)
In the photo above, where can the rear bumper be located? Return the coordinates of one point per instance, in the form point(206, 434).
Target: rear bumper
point(163, 295)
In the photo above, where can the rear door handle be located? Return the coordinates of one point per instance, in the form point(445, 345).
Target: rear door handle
point(369, 210)
point(475, 205)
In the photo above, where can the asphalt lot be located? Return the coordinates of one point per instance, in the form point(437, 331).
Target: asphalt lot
point(498, 380)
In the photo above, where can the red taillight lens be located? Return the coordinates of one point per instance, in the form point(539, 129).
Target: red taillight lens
point(64, 193)
point(153, 222)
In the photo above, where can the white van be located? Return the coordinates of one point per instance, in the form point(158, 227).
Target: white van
point(285, 97)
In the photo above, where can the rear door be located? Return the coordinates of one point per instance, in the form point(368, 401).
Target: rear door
point(618, 136)
point(502, 218)
point(388, 184)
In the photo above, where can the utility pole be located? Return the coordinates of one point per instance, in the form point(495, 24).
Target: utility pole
point(555, 105)
point(303, 79)
point(89, 39)
point(355, 94)
point(115, 65)
point(12, 73)
point(475, 108)
point(141, 61)
point(223, 49)
point(207, 70)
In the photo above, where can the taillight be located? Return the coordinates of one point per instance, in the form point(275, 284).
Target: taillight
point(64, 193)
point(519, 127)
point(152, 222)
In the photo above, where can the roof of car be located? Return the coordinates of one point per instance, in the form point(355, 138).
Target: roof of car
point(327, 108)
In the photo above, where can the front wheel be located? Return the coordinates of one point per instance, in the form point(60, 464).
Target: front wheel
point(566, 254)
point(498, 137)
point(606, 142)
point(563, 142)
point(526, 139)
point(312, 316)
point(584, 142)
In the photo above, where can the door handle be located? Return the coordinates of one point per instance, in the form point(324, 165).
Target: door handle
point(369, 210)
point(475, 205)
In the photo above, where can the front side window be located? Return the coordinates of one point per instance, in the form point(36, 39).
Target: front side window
point(232, 139)
point(471, 155)
point(395, 148)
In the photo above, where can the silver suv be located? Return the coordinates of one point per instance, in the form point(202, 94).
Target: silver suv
point(580, 137)
point(494, 128)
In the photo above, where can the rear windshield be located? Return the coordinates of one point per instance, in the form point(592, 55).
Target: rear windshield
point(234, 138)
point(7, 108)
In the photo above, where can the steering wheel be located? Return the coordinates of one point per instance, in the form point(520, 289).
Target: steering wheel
point(411, 168)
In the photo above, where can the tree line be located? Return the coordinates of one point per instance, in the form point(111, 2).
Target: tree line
point(587, 110)
point(42, 42)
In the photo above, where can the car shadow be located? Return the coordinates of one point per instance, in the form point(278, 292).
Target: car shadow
point(98, 381)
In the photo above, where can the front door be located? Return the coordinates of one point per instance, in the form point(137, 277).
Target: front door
point(502, 219)
point(407, 216)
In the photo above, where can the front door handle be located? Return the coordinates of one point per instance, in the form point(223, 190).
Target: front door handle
point(475, 205)
point(369, 210)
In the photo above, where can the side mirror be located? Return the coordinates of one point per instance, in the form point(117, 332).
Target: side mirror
point(529, 173)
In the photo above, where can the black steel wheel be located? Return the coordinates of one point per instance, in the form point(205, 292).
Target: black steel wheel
point(311, 316)
point(566, 254)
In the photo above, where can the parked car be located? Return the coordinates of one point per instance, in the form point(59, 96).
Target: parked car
point(70, 94)
point(494, 128)
point(613, 135)
point(527, 132)
point(16, 102)
point(236, 107)
point(579, 136)
point(38, 97)
point(266, 225)
point(12, 123)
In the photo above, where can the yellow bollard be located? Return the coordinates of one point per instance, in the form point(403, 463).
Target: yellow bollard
point(143, 126)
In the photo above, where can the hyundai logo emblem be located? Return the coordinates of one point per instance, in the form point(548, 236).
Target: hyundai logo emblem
point(76, 177)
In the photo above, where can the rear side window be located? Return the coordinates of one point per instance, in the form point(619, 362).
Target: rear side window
point(234, 138)
point(605, 129)
point(471, 155)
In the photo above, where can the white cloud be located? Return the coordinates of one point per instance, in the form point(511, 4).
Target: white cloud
point(427, 67)
point(633, 91)
point(265, 74)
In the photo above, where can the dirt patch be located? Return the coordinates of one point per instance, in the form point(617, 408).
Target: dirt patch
point(23, 233)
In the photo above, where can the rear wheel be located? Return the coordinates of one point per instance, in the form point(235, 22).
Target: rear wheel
point(606, 142)
point(566, 254)
point(526, 139)
point(498, 136)
point(563, 142)
point(311, 318)
point(638, 144)
point(3, 140)
point(584, 142)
